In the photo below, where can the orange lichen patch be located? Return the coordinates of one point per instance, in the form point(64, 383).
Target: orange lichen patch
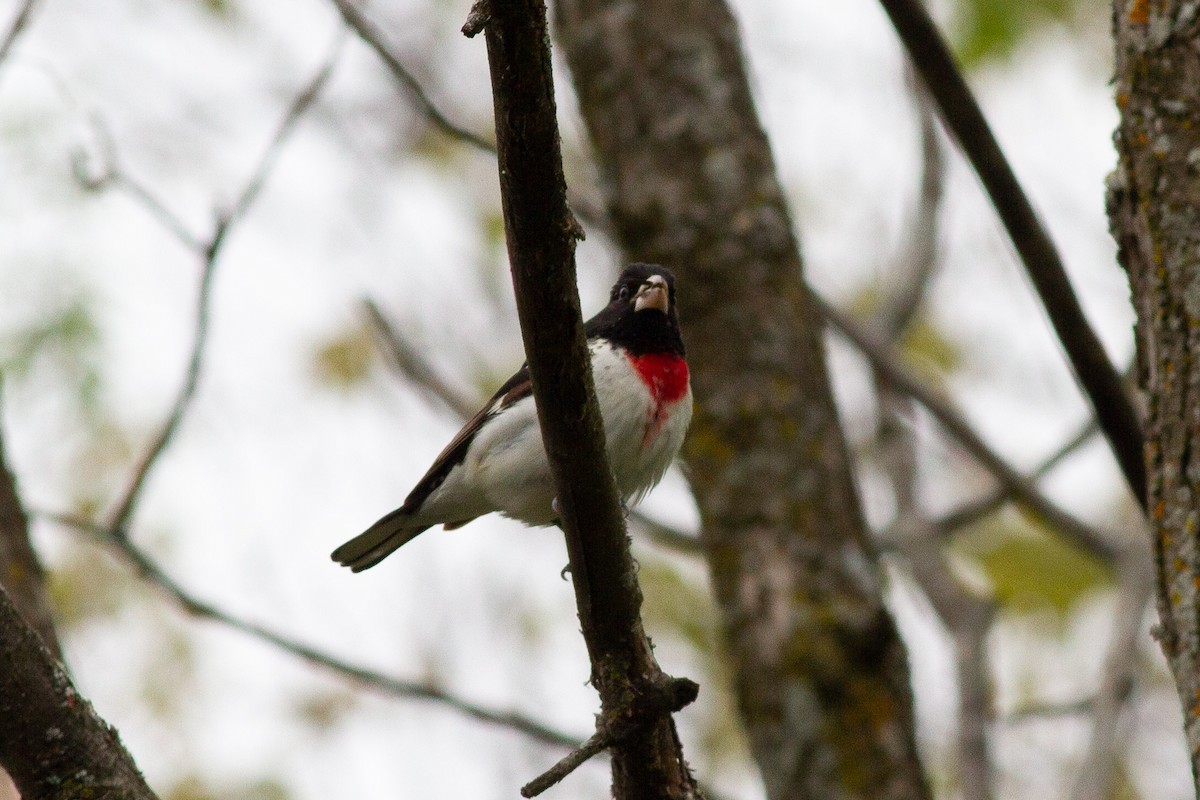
point(1160, 509)
point(1122, 99)
point(1139, 12)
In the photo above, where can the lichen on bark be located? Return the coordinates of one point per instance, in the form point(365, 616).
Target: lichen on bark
point(1154, 197)
point(820, 672)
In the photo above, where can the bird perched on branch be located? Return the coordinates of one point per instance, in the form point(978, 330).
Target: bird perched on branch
point(497, 462)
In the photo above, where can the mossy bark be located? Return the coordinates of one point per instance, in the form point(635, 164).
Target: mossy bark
point(821, 674)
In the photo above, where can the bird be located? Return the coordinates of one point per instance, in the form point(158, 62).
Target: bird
point(497, 462)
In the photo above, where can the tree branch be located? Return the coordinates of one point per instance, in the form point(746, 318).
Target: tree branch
point(210, 252)
point(149, 570)
point(975, 510)
point(1135, 586)
point(374, 37)
point(408, 362)
point(19, 24)
point(540, 232)
point(52, 742)
point(1093, 370)
point(1075, 530)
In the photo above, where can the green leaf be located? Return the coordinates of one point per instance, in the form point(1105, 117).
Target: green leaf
point(992, 29)
point(1030, 569)
point(345, 360)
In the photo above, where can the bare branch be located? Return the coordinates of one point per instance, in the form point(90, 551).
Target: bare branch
point(19, 24)
point(1135, 587)
point(670, 695)
point(147, 569)
point(968, 618)
point(541, 234)
point(411, 365)
point(599, 742)
point(110, 173)
point(375, 38)
point(1078, 532)
point(919, 261)
point(52, 742)
point(976, 510)
point(1093, 370)
point(211, 251)
point(666, 535)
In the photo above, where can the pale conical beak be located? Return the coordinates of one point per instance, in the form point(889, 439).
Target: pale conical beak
point(653, 294)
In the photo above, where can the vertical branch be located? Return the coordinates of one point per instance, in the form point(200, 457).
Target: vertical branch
point(635, 696)
point(1135, 584)
point(1152, 207)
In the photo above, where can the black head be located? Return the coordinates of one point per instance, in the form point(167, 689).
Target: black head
point(640, 315)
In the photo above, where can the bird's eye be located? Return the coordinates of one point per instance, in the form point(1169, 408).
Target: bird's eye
point(623, 294)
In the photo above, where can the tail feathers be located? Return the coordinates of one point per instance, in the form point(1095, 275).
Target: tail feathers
point(378, 541)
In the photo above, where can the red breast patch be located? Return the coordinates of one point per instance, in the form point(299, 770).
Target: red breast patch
point(665, 375)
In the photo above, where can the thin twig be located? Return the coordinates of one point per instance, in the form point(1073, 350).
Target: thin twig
point(1093, 369)
point(111, 173)
point(408, 362)
point(667, 536)
point(883, 362)
point(972, 512)
point(19, 24)
point(375, 38)
point(599, 742)
point(124, 508)
point(918, 262)
point(150, 571)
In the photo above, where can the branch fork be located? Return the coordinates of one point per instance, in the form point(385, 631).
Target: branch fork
point(655, 698)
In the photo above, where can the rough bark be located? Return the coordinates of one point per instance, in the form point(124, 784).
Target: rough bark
point(52, 742)
point(1154, 209)
point(821, 674)
point(636, 697)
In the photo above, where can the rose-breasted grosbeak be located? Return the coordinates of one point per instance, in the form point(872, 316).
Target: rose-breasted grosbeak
point(497, 461)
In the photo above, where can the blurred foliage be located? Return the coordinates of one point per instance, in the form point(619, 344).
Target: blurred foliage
point(922, 345)
point(682, 606)
point(69, 338)
point(221, 8)
point(194, 787)
point(1123, 788)
point(990, 29)
point(1030, 569)
point(86, 587)
point(673, 603)
point(172, 667)
point(345, 360)
point(96, 463)
point(321, 711)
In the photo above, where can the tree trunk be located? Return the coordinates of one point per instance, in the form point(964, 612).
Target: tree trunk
point(822, 680)
point(1154, 198)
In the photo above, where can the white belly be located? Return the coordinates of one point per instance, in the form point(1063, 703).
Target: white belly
point(508, 462)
